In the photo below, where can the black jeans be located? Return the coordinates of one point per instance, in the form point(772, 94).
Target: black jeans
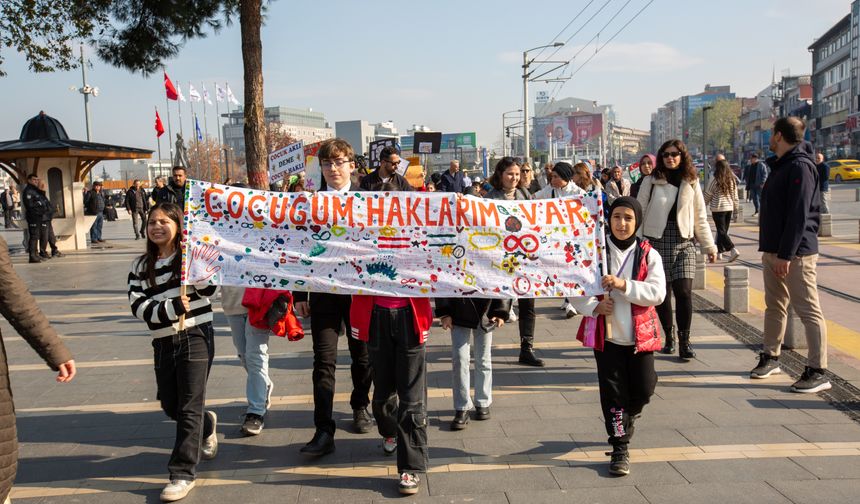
point(526, 320)
point(400, 372)
point(682, 289)
point(52, 241)
point(722, 220)
point(329, 313)
point(627, 381)
point(38, 239)
point(182, 364)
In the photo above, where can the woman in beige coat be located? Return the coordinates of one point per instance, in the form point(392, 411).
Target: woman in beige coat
point(675, 213)
point(19, 308)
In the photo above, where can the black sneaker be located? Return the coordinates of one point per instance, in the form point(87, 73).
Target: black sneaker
point(811, 381)
point(619, 464)
point(408, 484)
point(362, 422)
point(767, 365)
point(253, 424)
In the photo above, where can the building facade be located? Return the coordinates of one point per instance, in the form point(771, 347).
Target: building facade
point(831, 88)
point(306, 125)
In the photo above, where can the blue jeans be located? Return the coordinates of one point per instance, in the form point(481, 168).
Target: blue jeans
point(96, 229)
point(755, 196)
point(252, 345)
point(483, 367)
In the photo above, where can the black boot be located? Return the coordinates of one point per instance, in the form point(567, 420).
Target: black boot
point(669, 347)
point(527, 355)
point(685, 349)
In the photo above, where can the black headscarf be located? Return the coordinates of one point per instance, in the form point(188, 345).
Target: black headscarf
point(633, 204)
point(564, 171)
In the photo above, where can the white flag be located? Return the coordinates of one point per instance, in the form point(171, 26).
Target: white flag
point(230, 97)
point(220, 94)
point(206, 94)
point(179, 90)
point(193, 94)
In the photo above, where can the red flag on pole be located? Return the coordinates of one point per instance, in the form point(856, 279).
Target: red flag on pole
point(159, 127)
point(169, 88)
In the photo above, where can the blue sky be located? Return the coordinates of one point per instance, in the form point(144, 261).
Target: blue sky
point(451, 65)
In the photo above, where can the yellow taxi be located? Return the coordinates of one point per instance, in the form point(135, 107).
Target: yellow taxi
point(844, 169)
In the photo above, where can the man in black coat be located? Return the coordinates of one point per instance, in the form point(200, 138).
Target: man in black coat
point(36, 208)
point(788, 238)
point(177, 187)
point(137, 204)
point(386, 177)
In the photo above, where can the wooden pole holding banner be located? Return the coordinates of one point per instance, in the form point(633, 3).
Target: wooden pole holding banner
point(604, 266)
point(182, 289)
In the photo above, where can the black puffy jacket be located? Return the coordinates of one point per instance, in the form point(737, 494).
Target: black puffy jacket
point(468, 312)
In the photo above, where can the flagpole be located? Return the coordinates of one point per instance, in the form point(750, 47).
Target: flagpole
point(169, 130)
point(179, 106)
point(229, 122)
point(206, 138)
point(193, 128)
point(158, 138)
point(218, 125)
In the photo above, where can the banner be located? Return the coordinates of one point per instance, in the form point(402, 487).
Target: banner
point(417, 244)
point(286, 161)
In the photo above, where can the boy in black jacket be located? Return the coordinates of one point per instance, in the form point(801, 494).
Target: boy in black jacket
point(467, 317)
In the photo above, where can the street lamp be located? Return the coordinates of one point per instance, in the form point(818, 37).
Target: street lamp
point(526, 75)
point(504, 136)
point(705, 143)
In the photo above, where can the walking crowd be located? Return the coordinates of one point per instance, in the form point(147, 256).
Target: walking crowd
point(655, 228)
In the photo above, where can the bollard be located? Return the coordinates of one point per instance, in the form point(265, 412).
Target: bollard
point(736, 297)
point(738, 215)
point(826, 227)
point(795, 333)
point(699, 279)
point(742, 194)
point(857, 194)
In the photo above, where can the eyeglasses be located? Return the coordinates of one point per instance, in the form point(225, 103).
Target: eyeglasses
point(335, 162)
point(391, 162)
point(668, 154)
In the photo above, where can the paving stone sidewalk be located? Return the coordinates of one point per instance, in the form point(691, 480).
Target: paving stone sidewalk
point(709, 435)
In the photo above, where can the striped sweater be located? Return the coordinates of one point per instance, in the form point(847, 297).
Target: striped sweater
point(159, 305)
point(719, 201)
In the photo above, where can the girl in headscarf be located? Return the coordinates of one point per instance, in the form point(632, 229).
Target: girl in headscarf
point(646, 166)
point(625, 360)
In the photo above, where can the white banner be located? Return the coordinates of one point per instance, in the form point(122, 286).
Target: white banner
point(287, 161)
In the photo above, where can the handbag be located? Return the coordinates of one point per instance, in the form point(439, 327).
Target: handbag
point(592, 331)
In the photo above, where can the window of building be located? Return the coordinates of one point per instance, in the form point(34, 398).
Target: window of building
point(55, 192)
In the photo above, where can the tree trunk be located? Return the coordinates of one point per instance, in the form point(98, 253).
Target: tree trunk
point(250, 21)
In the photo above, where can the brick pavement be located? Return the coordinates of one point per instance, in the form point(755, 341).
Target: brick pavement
point(709, 435)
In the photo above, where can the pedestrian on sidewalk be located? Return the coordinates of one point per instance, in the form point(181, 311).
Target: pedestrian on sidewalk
point(560, 184)
point(617, 186)
point(10, 200)
point(395, 330)
point(137, 204)
point(625, 362)
point(183, 352)
point(21, 311)
point(675, 213)
point(329, 314)
point(756, 176)
point(94, 204)
point(788, 240)
point(47, 222)
point(823, 181)
point(36, 207)
point(721, 196)
point(646, 166)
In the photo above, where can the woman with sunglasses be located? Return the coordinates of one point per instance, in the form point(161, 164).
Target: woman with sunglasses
point(675, 213)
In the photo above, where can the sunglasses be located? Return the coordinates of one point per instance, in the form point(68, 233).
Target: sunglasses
point(671, 154)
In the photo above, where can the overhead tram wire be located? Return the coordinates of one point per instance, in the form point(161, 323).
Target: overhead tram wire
point(554, 39)
point(552, 97)
point(567, 41)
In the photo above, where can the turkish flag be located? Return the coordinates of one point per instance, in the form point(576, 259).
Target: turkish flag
point(169, 88)
point(159, 127)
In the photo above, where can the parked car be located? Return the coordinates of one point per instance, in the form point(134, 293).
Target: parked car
point(844, 169)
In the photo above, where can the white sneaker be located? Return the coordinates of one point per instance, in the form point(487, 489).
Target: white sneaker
point(210, 444)
point(570, 311)
point(389, 445)
point(513, 315)
point(176, 490)
point(733, 255)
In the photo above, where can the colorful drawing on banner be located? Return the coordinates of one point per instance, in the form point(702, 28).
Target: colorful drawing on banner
point(287, 161)
point(313, 172)
point(379, 243)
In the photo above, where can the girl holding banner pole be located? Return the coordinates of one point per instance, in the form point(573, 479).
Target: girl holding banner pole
point(183, 343)
point(505, 181)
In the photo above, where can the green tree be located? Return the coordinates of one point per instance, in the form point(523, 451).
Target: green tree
point(138, 35)
point(723, 120)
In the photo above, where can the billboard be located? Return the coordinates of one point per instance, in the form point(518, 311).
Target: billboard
point(698, 101)
point(450, 141)
point(568, 130)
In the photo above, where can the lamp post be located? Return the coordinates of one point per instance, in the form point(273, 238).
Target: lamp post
point(504, 136)
point(526, 75)
point(706, 173)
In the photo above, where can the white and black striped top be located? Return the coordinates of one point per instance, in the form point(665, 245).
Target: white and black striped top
point(159, 305)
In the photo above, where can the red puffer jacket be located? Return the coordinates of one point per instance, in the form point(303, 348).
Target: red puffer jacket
point(259, 301)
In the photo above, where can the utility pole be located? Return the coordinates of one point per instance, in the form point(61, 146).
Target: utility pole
point(526, 77)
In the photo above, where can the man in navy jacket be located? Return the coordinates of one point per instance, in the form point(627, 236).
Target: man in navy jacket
point(788, 238)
